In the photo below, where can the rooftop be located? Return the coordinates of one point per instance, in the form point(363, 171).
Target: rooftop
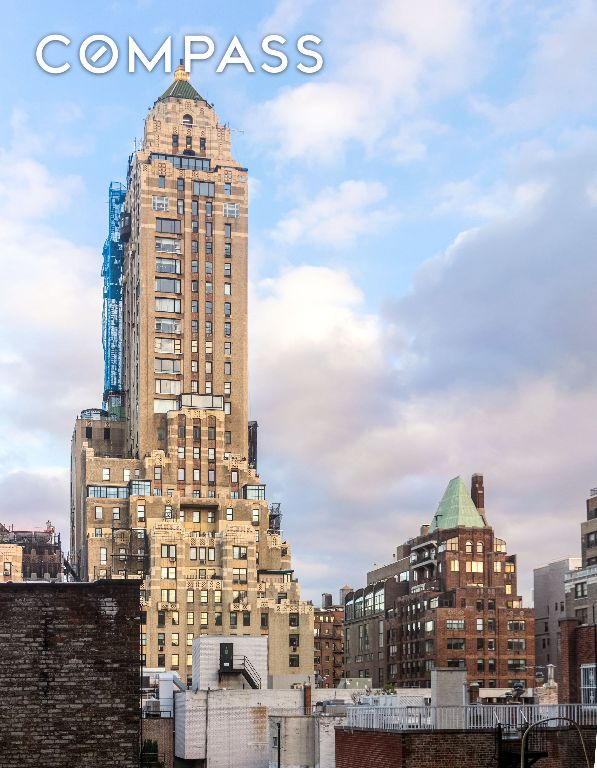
point(181, 87)
point(456, 508)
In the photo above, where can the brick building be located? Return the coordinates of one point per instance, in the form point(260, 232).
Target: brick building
point(329, 643)
point(164, 479)
point(69, 689)
point(577, 677)
point(449, 600)
point(36, 554)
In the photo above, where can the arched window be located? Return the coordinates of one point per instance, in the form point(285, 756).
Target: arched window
point(187, 120)
point(480, 547)
point(468, 547)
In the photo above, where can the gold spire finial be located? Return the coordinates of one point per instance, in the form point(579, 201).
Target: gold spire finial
point(180, 73)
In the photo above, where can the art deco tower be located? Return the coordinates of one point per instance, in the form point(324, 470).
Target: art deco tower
point(164, 478)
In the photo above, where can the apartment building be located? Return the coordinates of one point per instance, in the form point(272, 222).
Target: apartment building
point(448, 600)
point(329, 643)
point(164, 476)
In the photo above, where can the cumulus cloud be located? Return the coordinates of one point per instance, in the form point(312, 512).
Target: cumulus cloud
point(387, 62)
point(50, 335)
point(486, 365)
point(336, 216)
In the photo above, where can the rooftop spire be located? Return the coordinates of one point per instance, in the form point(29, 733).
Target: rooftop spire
point(456, 508)
point(181, 87)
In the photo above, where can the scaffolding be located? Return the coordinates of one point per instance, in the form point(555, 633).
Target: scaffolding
point(112, 309)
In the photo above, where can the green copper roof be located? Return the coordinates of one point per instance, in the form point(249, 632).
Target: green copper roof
point(456, 508)
point(181, 89)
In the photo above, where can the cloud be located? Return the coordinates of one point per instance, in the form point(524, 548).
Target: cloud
point(30, 499)
point(383, 65)
point(50, 335)
point(337, 216)
point(486, 365)
point(558, 77)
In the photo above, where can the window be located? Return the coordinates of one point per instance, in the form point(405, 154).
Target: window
point(229, 510)
point(167, 245)
point(168, 572)
point(227, 269)
point(516, 626)
point(227, 347)
point(293, 619)
point(588, 684)
point(105, 473)
point(140, 512)
point(580, 589)
point(168, 595)
point(159, 203)
point(167, 386)
point(474, 566)
point(161, 182)
point(468, 547)
point(203, 623)
point(227, 188)
point(480, 625)
point(167, 305)
point(168, 346)
point(167, 226)
point(239, 553)
point(227, 230)
point(103, 555)
point(180, 184)
point(454, 623)
point(227, 329)
point(115, 513)
point(293, 660)
point(187, 120)
point(456, 644)
point(239, 575)
point(516, 644)
point(454, 565)
point(456, 663)
point(227, 309)
point(167, 285)
point(246, 618)
point(233, 619)
point(204, 189)
point(232, 210)
point(175, 141)
point(99, 513)
point(190, 618)
point(164, 264)
point(168, 550)
point(181, 473)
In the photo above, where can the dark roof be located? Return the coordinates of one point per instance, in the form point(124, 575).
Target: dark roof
point(181, 89)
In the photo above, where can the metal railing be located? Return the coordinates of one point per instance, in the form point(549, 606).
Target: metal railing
point(511, 717)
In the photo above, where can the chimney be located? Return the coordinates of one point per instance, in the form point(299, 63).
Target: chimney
point(307, 699)
point(478, 494)
point(424, 530)
point(326, 600)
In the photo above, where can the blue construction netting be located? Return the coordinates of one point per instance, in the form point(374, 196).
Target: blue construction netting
point(112, 310)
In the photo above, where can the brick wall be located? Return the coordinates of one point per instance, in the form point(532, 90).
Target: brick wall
point(578, 646)
point(160, 729)
point(69, 688)
point(450, 749)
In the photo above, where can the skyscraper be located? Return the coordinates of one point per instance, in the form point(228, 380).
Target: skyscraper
point(164, 476)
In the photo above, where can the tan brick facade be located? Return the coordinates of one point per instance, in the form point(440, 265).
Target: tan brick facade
point(169, 491)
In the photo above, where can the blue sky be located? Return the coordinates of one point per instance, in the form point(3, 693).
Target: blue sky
point(423, 228)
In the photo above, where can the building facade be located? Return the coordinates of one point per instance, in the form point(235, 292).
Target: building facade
point(550, 601)
point(577, 677)
point(452, 603)
point(329, 643)
point(164, 477)
point(31, 554)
